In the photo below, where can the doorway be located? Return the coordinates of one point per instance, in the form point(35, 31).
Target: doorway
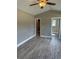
point(37, 27)
point(55, 27)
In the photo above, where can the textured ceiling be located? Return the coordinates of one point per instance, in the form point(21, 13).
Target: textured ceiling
point(24, 5)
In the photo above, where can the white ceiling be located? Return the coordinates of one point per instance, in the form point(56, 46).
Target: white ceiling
point(24, 5)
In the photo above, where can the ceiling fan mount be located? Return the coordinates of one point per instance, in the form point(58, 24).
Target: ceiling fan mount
point(43, 3)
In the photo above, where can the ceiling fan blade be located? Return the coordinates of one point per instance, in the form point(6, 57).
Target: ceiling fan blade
point(33, 4)
point(49, 3)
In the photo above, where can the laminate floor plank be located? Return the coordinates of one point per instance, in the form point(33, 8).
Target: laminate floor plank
point(40, 48)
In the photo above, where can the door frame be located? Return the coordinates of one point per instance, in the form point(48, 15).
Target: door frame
point(36, 26)
point(51, 22)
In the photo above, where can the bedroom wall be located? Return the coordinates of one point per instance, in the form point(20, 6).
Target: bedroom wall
point(25, 26)
point(45, 21)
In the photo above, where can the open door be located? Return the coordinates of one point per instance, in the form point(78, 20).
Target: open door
point(38, 27)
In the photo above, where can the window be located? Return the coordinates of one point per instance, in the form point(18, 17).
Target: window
point(53, 22)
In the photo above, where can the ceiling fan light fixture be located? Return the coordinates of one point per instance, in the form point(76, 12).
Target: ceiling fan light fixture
point(42, 3)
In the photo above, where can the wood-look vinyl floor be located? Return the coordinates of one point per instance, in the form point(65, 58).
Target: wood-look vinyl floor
point(40, 48)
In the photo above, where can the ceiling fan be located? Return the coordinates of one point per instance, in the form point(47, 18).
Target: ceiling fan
point(43, 3)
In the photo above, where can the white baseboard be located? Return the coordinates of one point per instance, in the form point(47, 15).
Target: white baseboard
point(26, 40)
point(45, 36)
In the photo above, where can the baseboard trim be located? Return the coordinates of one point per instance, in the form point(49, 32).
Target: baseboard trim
point(26, 40)
point(45, 36)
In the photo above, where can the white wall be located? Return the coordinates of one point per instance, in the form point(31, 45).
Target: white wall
point(25, 26)
point(45, 21)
